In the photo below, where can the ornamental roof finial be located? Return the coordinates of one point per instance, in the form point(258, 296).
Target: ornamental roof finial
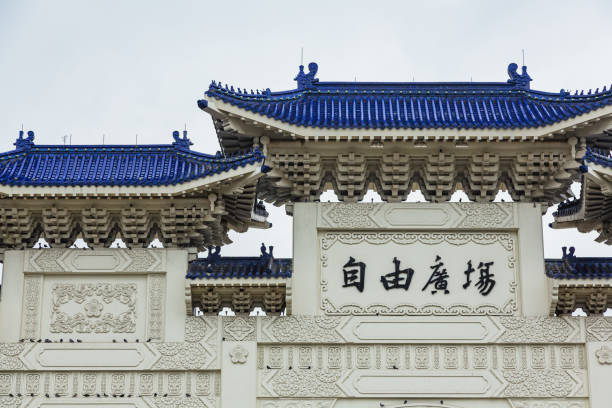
point(521, 80)
point(179, 142)
point(24, 143)
point(307, 81)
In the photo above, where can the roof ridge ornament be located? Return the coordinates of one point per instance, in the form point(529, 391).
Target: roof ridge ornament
point(307, 81)
point(24, 143)
point(569, 256)
point(181, 143)
point(520, 80)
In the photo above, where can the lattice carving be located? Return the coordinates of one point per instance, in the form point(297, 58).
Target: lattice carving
point(182, 227)
point(350, 177)
point(212, 297)
point(19, 228)
point(60, 226)
point(210, 301)
point(274, 301)
point(566, 303)
point(242, 301)
point(438, 177)
point(137, 226)
point(301, 171)
point(393, 177)
point(481, 183)
point(99, 227)
point(596, 302)
point(537, 177)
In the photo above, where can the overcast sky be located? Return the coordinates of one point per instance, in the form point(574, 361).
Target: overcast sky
point(121, 68)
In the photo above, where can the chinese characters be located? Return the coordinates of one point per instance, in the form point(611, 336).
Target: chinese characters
point(399, 279)
point(354, 275)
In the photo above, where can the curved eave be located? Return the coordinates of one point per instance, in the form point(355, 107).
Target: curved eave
point(237, 281)
point(591, 122)
point(580, 212)
point(223, 181)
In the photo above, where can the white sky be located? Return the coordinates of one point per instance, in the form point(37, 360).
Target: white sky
point(122, 68)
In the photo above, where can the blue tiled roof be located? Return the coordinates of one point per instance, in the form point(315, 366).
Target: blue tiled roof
point(381, 105)
point(127, 165)
point(214, 266)
point(567, 208)
point(601, 157)
point(572, 267)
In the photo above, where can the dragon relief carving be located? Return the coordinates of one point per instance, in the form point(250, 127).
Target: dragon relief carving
point(94, 298)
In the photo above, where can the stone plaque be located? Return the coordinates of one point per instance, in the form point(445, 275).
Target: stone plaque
point(418, 273)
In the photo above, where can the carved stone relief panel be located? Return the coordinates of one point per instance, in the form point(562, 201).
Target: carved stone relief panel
point(417, 216)
point(137, 260)
point(30, 324)
point(467, 273)
point(427, 357)
point(10, 356)
point(416, 329)
point(295, 403)
point(371, 383)
point(599, 328)
point(239, 328)
point(302, 329)
point(194, 387)
point(97, 308)
point(94, 298)
point(550, 403)
point(155, 306)
point(451, 370)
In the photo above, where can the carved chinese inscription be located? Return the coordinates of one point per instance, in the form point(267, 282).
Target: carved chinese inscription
point(467, 273)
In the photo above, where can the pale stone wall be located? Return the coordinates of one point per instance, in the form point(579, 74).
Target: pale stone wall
point(493, 357)
point(326, 234)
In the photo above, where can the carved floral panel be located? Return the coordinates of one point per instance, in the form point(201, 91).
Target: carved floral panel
point(95, 307)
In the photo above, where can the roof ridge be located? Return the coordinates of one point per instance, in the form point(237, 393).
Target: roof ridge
point(308, 82)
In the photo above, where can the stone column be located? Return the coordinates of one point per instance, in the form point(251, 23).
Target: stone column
point(238, 374)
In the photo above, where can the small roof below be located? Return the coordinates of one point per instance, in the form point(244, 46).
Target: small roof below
point(215, 266)
point(572, 267)
point(113, 165)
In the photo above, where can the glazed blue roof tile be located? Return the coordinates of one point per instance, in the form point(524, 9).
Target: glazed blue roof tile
point(214, 266)
point(572, 267)
point(567, 208)
point(601, 157)
point(382, 105)
point(118, 165)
